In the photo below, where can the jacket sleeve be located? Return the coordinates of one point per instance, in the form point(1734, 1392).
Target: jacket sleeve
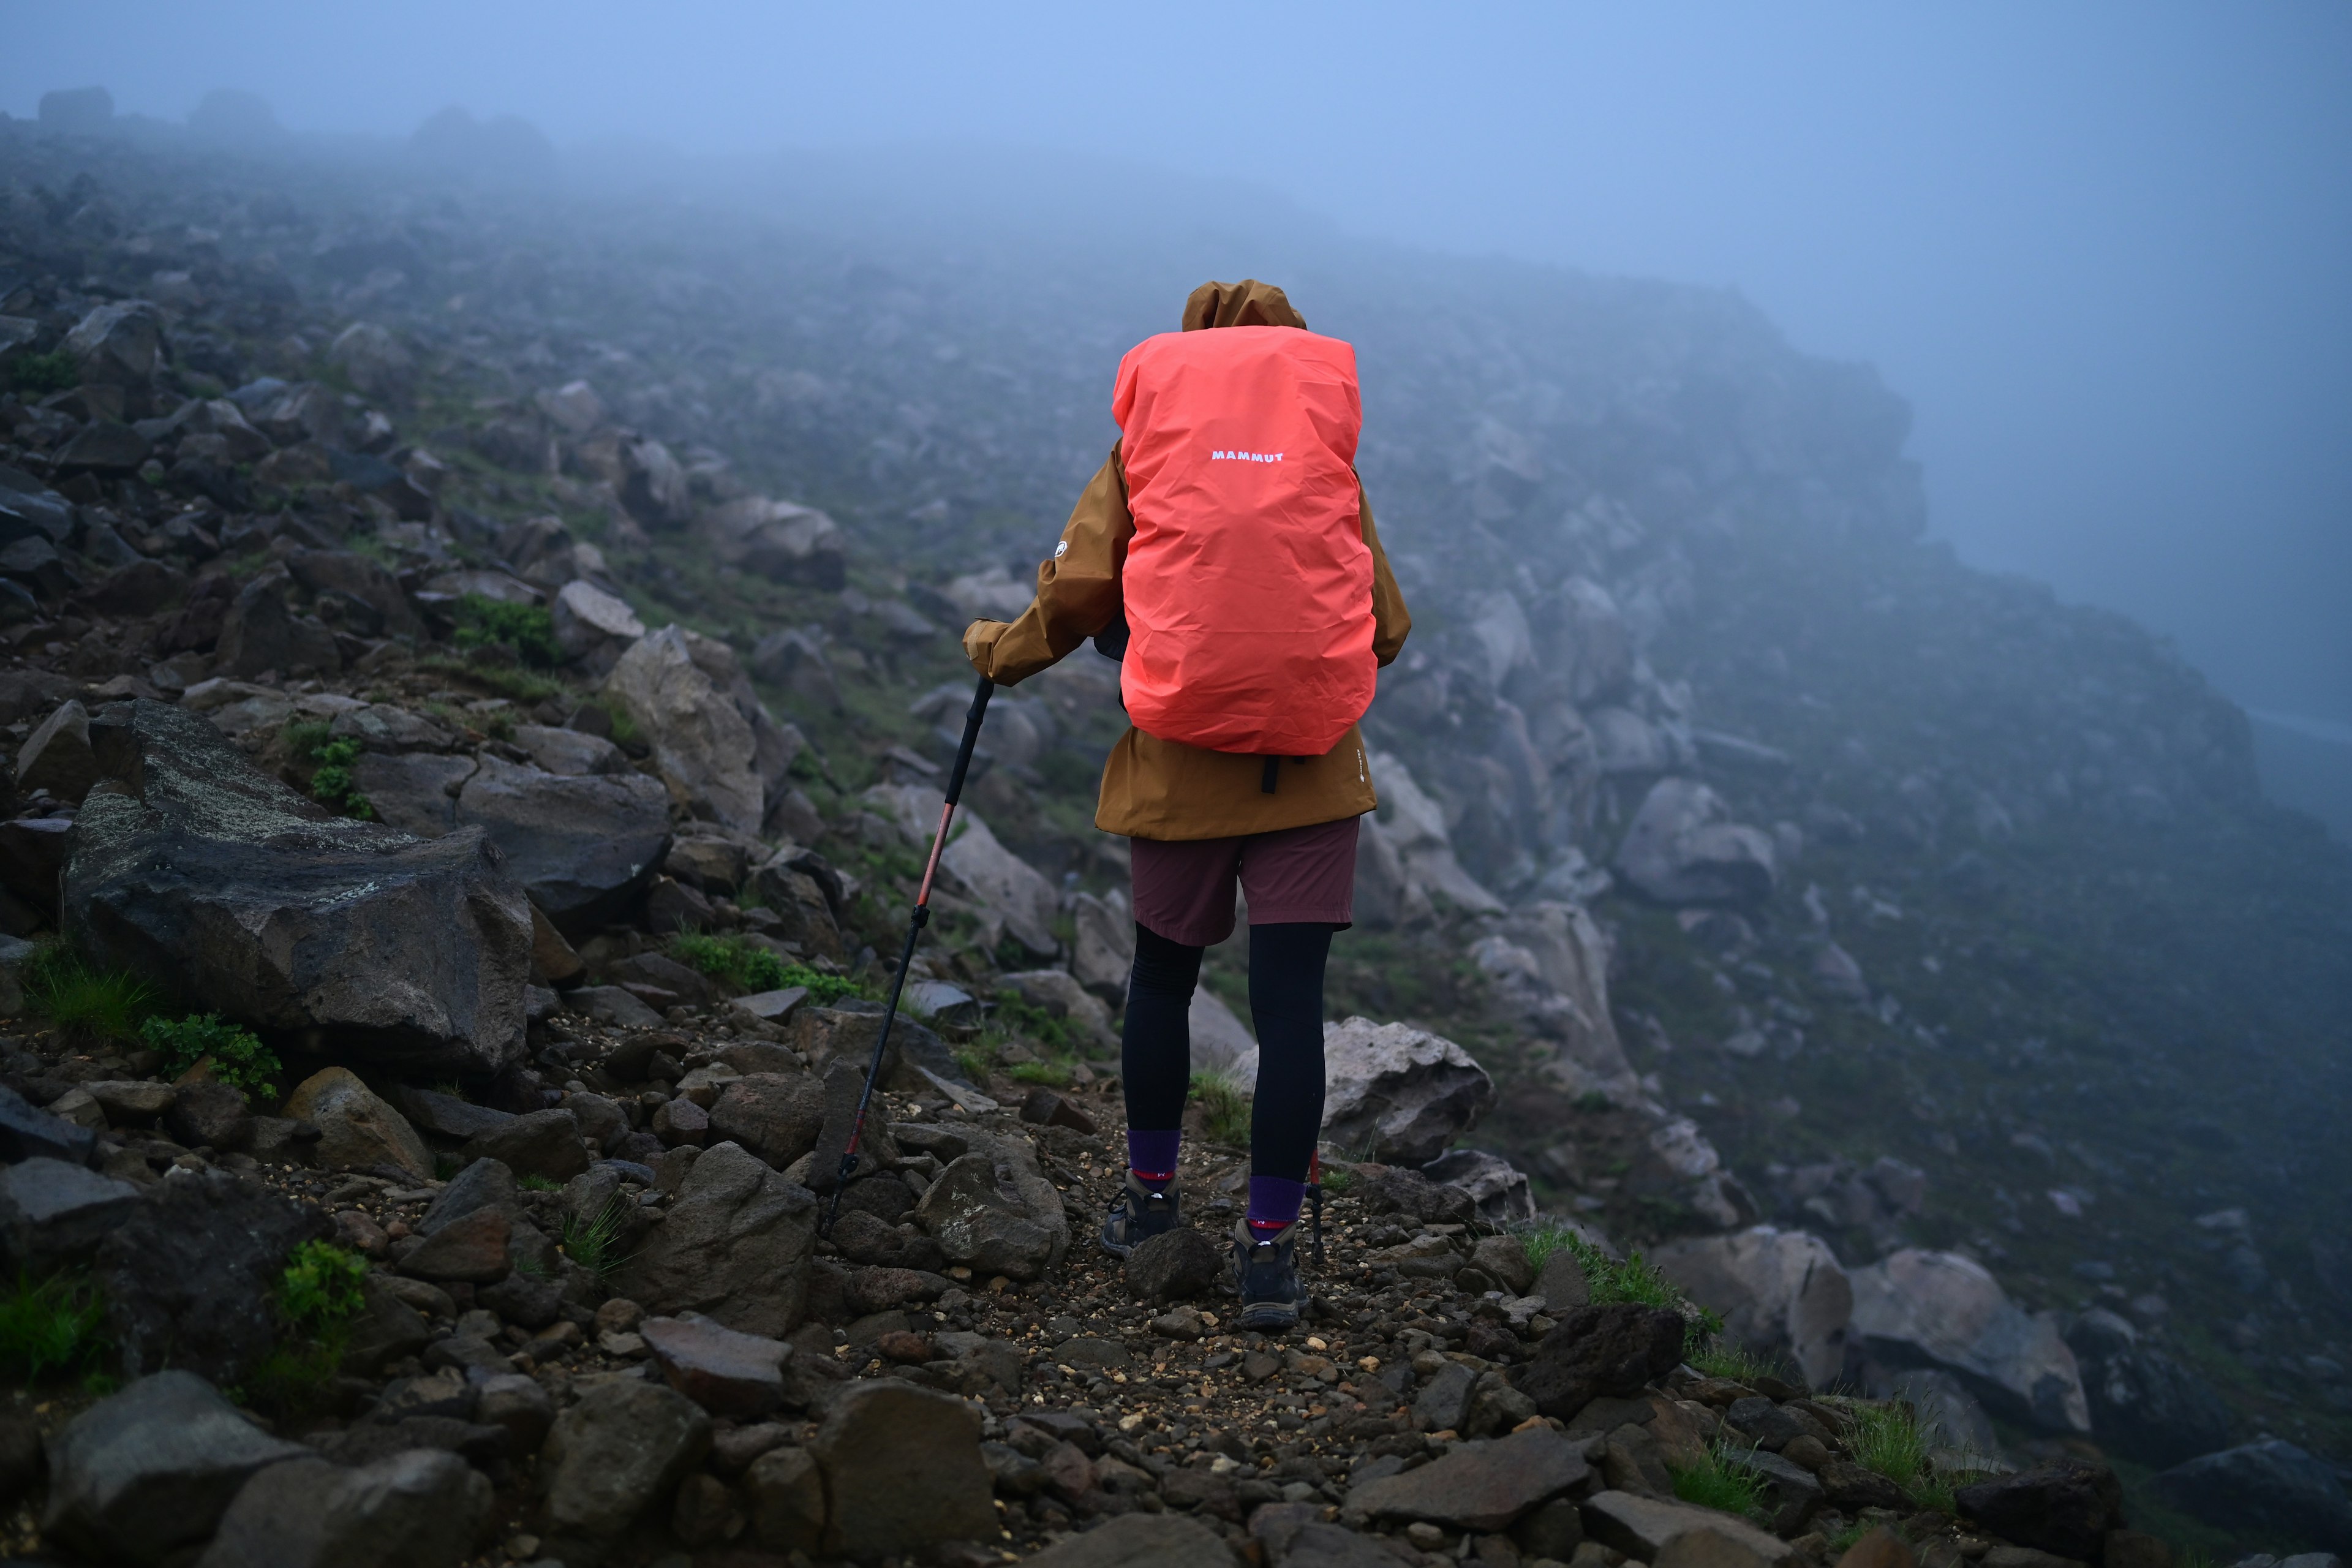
point(1391, 622)
point(1077, 587)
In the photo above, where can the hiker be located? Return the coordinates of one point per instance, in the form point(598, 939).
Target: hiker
point(1226, 557)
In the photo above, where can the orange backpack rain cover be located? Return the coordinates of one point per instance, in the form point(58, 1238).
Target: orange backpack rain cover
point(1248, 585)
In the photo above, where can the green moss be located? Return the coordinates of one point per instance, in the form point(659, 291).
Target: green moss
point(749, 968)
point(239, 1060)
point(38, 375)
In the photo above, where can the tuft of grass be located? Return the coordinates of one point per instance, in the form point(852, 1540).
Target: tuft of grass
point(87, 1003)
point(974, 1060)
point(1336, 1180)
point(1608, 1280)
point(747, 968)
point(1712, 1483)
point(54, 1324)
point(520, 685)
point(595, 1242)
point(1011, 1016)
point(1891, 1439)
point(239, 1060)
point(625, 728)
point(1224, 1108)
point(1053, 1075)
point(538, 1184)
point(1724, 1358)
point(529, 629)
point(38, 375)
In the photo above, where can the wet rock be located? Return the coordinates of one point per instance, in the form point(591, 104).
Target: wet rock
point(1041, 1107)
point(1177, 1266)
point(2064, 1506)
point(543, 1144)
point(725, 1373)
point(1499, 1188)
point(263, 631)
point(1505, 1258)
point(1778, 1292)
point(420, 1508)
point(735, 1247)
point(189, 1273)
point(902, 1470)
point(1480, 1487)
point(1404, 1092)
point(52, 1211)
point(415, 792)
point(1141, 1540)
point(1938, 1308)
point(445, 1115)
point(701, 743)
point(26, 1131)
point(610, 1457)
point(776, 1116)
point(573, 753)
point(517, 1405)
point(1684, 848)
point(58, 757)
point(477, 1249)
point(245, 898)
point(1648, 1527)
point(1613, 1349)
point(992, 1211)
point(385, 1330)
point(584, 847)
point(356, 1129)
point(1395, 1189)
point(786, 1494)
point(2272, 1487)
point(146, 1474)
point(2143, 1404)
point(1443, 1404)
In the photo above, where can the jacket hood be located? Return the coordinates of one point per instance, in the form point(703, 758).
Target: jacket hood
point(1248, 303)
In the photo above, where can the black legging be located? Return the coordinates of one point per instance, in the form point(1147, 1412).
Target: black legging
point(1286, 984)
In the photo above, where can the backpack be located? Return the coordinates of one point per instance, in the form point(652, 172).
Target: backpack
point(1247, 586)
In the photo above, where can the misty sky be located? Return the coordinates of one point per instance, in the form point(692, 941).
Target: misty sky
point(2105, 251)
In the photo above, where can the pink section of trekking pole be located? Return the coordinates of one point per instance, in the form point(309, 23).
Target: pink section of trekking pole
point(923, 898)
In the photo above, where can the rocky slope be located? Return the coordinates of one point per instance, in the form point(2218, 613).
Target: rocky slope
point(533, 626)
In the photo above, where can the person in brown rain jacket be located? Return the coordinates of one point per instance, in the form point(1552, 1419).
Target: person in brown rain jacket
point(1201, 821)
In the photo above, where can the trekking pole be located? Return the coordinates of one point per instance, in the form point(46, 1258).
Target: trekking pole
point(1315, 1192)
point(922, 917)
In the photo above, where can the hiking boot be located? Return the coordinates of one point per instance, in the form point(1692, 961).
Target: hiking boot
point(1265, 1276)
point(1139, 1213)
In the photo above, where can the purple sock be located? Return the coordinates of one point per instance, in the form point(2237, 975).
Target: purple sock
point(1273, 1202)
point(1152, 1155)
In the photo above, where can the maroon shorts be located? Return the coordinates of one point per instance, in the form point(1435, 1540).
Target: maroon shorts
point(1184, 889)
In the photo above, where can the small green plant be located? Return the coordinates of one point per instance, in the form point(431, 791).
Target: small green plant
point(1224, 1108)
point(317, 1297)
point(1053, 1075)
point(1715, 1482)
point(625, 728)
point(239, 1060)
point(1845, 1540)
point(595, 1242)
point(1891, 1439)
point(1337, 1180)
point(529, 629)
point(1013, 1016)
point(1609, 1279)
point(55, 1324)
point(521, 685)
point(38, 375)
point(745, 967)
point(86, 1003)
point(974, 1060)
point(538, 1184)
point(333, 785)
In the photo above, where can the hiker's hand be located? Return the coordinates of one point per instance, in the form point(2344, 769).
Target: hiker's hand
point(980, 641)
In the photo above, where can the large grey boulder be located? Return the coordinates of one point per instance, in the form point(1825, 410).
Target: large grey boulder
point(776, 1116)
point(1549, 963)
point(977, 866)
point(777, 540)
point(1403, 1091)
point(1651, 1527)
point(2145, 1403)
point(902, 1470)
point(421, 1509)
point(1684, 848)
point(1480, 1487)
point(2271, 1486)
point(57, 757)
point(585, 849)
point(613, 1454)
point(1938, 1308)
point(50, 1211)
point(145, 1475)
point(1412, 827)
point(1779, 1293)
point(1499, 1188)
point(190, 1273)
point(735, 1247)
point(592, 625)
point(240, 897)
point(701, 743)
point(1140, 1541)
point(357, 1128)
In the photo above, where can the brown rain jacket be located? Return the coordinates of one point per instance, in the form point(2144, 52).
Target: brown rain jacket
point(1161, 789)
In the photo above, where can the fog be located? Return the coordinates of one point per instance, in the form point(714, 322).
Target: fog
point(2101, 248)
